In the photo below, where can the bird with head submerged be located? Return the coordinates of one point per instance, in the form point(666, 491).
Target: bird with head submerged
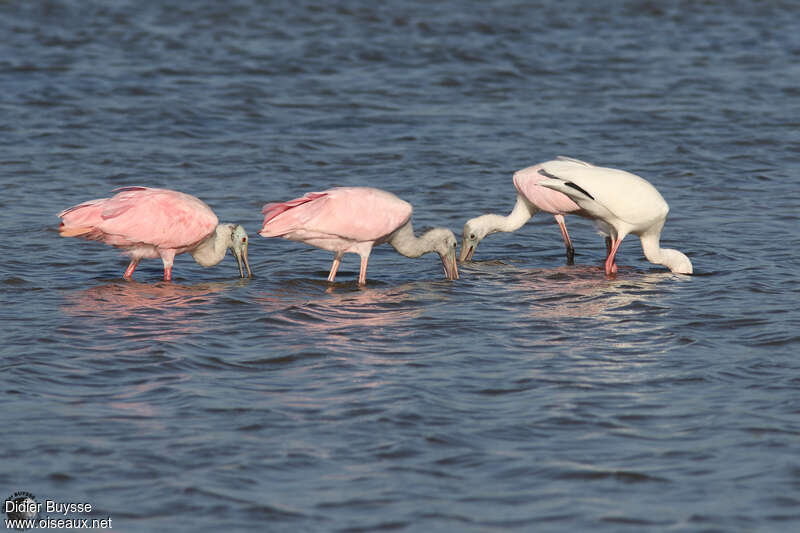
point(620, 203)
point(353, 220)
point(531, 198)
point(153, 223)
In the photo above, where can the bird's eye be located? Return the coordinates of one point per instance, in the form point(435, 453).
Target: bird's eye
point(471, 235)
point(244, 239)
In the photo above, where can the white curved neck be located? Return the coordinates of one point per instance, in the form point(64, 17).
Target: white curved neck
point(406, 243)
point(672, 259)
point(212, 250)
point(492, 223)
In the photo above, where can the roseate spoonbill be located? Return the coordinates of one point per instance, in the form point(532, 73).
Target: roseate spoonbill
point(620, 203)
point(531, 198)
point(156, 223)
point(354, 219)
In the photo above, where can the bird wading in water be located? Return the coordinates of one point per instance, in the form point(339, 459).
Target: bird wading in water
point(354, 219)
point(157, 223)
point(620, 203)
point(531, 198)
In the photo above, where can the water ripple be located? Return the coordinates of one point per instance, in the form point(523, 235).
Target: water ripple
point(525, 393)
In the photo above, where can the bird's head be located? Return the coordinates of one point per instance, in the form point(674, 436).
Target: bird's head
point(676, 261)
point(473, 233)
point(238, 245)
point(446, 245)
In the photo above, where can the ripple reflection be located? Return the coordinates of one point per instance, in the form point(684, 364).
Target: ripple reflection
point(120, 306)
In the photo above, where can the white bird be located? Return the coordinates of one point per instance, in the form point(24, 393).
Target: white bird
point(620, 203)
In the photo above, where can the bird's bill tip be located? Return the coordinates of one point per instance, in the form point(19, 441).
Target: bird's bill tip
point(466, 253)
point(450, 267)
point(244, 264)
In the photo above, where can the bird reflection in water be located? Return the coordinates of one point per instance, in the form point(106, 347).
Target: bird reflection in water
point(620, 313)
point(162, 311)
point(344, 308)
point(344, 321)
point(576, 292)
point(138, 325)
point(572, 291)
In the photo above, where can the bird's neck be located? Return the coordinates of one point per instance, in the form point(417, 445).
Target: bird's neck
point(406, 243)
point(213, 249)
point(672, 259)
point(492, 223)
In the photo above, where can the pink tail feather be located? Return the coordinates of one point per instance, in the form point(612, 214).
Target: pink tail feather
point(81, 219)
point(272, 210)
point(82, 210)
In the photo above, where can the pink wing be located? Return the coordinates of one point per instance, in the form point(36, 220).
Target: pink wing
point(272, 210)
point(553, 202)
point(353, 213)
point(139, 215)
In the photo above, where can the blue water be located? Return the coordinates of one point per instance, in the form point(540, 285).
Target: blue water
point(528, 394)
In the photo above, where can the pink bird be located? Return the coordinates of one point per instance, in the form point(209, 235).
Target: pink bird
point(531, 198)
point(354, 219)
point(156, 223)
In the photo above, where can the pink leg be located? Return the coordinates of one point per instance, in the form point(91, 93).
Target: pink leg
point(567, 241)
point(608, 251)
point(167, 257)
point(362, 274)
point(334, 267)
point(131, 267)
point(611, 265)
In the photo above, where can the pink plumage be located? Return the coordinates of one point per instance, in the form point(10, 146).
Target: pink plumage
point(142, 217)
point(145, 222)
point(531, 198)
point(341, 217)
point(527, 181)
point(353, 220)
point(272, 210)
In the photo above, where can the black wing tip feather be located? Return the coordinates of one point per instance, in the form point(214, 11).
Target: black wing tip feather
point(577, 188)
point(543, 172)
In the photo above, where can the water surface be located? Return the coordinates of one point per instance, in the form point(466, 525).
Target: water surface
point(527, 394)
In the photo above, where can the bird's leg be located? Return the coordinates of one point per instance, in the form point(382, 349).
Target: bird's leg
point(167, 256)
point(131, 267)
point(608, 252)
point(337, 259)
point(611, 265)
point(567, 241)
point(362, 274)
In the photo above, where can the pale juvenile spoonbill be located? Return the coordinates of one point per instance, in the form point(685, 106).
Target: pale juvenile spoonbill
point(620, 203)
